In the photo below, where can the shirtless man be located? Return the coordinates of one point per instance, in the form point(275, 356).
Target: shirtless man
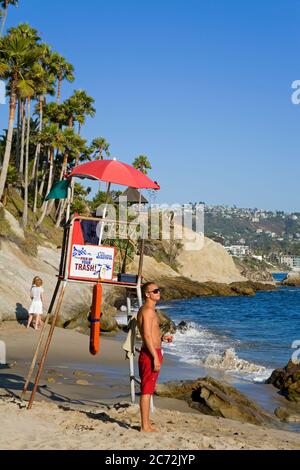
point(150, 358)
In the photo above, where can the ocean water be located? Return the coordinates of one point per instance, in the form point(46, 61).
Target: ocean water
point(279, 276)
point(247, 337)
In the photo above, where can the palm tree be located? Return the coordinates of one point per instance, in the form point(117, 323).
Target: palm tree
point(30, 78)
point(5, 4)
point(62, 70)
point(74, 146)
point(44, 85)
point(142, 163)
point(27, 32)
point(55, 113)
point(35, 77)
point(16, 57)
point(100, 145)
point(50, 138)
point(77, 107)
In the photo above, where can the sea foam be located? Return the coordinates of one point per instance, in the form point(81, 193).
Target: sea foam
point(199, 346)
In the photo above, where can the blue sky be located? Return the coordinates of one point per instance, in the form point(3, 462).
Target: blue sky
point(202, 87)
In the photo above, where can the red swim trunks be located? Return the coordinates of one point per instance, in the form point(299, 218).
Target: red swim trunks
point(147, 375)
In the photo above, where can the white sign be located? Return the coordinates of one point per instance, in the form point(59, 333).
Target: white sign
point(92, 262)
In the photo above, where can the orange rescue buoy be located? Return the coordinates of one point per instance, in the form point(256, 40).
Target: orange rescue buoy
point(95, 319)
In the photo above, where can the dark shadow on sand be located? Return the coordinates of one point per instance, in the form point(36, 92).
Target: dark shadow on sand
point(102, 416)
point(14, 384)
point(21, 314)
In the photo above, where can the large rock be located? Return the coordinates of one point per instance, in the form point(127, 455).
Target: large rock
point(292, 280)
point(204, 260)
point(14, 225)
point(254, 270)
point(212, 397)
point(82, 325)
point(287, 380)
point(181, 288)
point(288, 415)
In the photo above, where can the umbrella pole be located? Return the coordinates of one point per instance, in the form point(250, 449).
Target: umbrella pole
point(140, 201)
point(104, 213)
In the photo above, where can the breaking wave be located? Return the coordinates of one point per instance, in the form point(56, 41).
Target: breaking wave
point(197, 345)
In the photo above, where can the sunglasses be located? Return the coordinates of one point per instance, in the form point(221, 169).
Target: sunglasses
point(155, 291)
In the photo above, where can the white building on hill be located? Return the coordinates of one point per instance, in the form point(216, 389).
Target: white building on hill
point(292, 261)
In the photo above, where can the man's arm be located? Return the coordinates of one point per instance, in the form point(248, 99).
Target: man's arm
point(148, 317)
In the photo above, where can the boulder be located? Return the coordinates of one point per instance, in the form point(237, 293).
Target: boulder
point(254, 270)
point(81, 323)
point(287, 380)
point(14, 225)
point(292, 280)
point(287, 415)
point(182, 327)
point(214, 398)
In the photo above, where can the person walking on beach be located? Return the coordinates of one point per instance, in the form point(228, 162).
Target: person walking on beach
point(150, 359)
point(37, 300)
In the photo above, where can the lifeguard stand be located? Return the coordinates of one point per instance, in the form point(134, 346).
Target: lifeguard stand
point(74, 243)
point(111, 172)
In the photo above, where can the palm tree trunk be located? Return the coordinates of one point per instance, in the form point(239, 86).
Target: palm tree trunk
point(63, 204)
point(59, 89)
point(3, 21)
point(18, 136)
point(37, 162)
point(45, 205)
point(22, 138)
point(38, 147)
point(50, 206)
point(62, 171)
point(7, 153)
point(64, 167)
point(41, 188)
point(36, 184)
point(58, 209)
point(25, 210)
point(100, 158)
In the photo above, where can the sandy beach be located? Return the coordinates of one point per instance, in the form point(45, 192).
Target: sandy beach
point(81, 398)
